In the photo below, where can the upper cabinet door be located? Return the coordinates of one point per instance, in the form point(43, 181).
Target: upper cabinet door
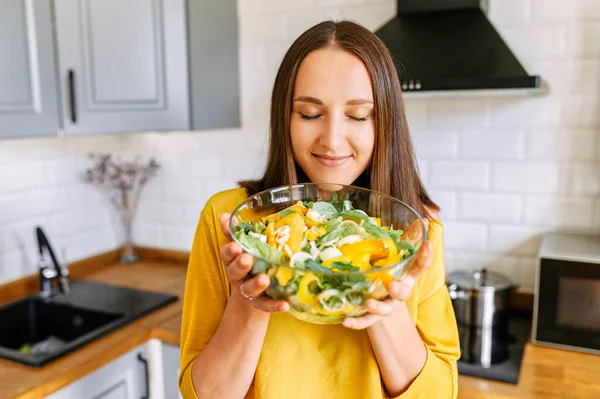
point(28, 98)
point(122, 65)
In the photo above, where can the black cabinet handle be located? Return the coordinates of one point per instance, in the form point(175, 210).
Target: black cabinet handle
point(72, 99)
point(145, 363)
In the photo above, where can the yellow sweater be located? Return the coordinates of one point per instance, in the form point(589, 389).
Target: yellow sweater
point(303, 360)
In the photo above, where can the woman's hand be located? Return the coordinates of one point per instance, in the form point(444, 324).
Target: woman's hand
point(237, 267)
point(399, 291)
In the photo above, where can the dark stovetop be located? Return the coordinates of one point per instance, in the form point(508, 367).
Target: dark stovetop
point(510, 369)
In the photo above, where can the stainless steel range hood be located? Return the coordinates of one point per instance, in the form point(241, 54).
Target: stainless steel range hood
point(450, 47)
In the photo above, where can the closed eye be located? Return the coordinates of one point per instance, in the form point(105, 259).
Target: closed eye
point(309, 117)
point(359, 119)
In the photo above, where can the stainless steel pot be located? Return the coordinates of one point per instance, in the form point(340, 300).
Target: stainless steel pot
point(481, 304)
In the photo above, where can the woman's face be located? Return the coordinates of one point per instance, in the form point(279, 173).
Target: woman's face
point(331, 127)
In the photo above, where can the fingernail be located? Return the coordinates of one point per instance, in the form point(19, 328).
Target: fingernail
point(395, 289)
point(371, 306)
point(347, 323)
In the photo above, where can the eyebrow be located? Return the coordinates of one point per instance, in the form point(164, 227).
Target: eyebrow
point(313, 100)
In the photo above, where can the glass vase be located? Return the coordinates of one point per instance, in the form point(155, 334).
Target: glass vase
point(128, 254)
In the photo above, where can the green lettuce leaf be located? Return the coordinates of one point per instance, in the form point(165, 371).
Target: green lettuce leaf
point(262, 249)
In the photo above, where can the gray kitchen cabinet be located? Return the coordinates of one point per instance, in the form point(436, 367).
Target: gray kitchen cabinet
point(213, 64)
point(170, 361)
point(28, 95)
point(122, 65)
point(123, 378)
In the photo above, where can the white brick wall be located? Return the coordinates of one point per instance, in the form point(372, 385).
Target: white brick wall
point(504, 170)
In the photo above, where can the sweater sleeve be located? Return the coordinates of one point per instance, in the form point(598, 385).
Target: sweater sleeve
point(206, 295)
point(436, 324)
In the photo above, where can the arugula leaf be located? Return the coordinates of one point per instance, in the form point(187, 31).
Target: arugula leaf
point(344, 266)
point(332, 235)
point(259, 227)
point(245, 227)
point(285, 213)
point(332, 224)
point(405, 245)
point(353, 214)
point(373, 229)
point(263, 249)
point(342, 231)
point(314, 266)
point(350, 229)
point(337, 204)
point(348, 283)
point(325, 209)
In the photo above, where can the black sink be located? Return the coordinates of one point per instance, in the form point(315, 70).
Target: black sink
point(34, 331)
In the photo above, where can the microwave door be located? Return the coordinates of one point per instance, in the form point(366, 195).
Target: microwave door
point(568, 305)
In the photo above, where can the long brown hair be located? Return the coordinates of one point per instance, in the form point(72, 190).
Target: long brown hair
point(393, 170)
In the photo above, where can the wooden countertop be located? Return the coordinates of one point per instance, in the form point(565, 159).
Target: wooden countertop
point(546, 373)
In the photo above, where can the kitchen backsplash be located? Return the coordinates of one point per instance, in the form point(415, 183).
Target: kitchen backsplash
point(504, 170)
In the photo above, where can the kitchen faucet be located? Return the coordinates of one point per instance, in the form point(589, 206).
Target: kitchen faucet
point(47, 273)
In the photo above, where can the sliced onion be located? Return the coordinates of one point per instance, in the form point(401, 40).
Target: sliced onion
point(325, 295)
point(348, 222)
point(314, 251)
point(330, 253)
point(314, 216)
point(261, 237)
point(299, 257)
point(349, 240)
point(330, 243)
point(282, 239)
point(283, 230)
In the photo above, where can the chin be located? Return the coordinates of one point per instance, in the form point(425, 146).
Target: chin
point(332, 178)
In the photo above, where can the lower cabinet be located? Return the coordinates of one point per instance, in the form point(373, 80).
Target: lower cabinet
point(124, 378)
point(170, 357)
point(149, 371)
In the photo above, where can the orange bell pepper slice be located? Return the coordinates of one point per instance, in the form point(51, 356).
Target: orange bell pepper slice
point(375, 248)
point(296, 224)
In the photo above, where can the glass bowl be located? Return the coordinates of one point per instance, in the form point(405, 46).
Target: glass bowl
point(327, 248)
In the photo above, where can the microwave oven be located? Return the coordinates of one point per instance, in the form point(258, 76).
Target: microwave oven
point(566, 312)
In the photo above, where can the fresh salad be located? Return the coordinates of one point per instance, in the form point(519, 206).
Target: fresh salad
point(318, 240)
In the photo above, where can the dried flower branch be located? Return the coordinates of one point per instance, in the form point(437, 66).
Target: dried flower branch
point(124, 181)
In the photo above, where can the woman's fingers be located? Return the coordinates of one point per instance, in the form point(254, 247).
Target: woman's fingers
point(230, 251)
point(399, 290)
point(420, 266)
point(224, 221)
point(239, 267)
point(360, 323)
point(255, 286)
point(267, 304)
point(381, 308)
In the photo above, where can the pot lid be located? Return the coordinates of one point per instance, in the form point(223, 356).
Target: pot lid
point(479, 280)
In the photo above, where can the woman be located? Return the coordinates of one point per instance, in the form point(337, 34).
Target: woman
point(336, 116)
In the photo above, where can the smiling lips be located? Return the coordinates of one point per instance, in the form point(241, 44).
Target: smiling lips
point(331, 161)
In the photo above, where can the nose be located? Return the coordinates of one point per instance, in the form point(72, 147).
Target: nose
point(332, 136)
